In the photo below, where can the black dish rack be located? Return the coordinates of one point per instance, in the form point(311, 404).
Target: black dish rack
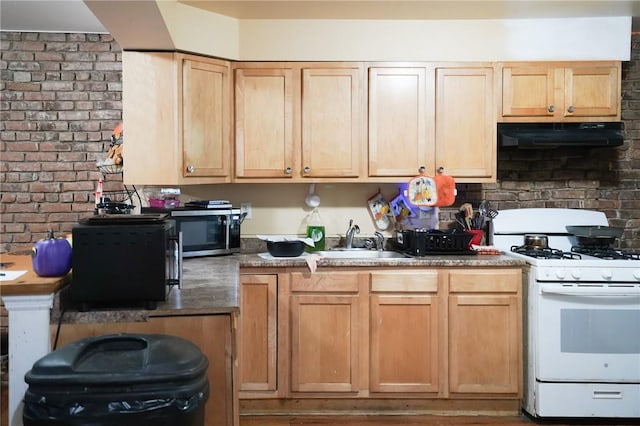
point(429, 242)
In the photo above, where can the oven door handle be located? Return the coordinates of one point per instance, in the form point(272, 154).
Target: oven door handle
point(590, 291)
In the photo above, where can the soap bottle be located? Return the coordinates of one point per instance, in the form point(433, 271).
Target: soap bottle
point(315, 231)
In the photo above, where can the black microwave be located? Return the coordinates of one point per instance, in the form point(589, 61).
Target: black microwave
point(205, 231)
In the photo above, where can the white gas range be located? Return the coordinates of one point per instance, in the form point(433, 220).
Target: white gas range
point(582, 325)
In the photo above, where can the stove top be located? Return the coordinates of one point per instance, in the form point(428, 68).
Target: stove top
point(565, 259)
point(544, 253)
point(606, 252)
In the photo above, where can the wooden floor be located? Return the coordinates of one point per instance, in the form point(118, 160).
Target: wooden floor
point(419, 421)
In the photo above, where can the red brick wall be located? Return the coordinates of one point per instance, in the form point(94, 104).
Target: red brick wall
point(61, 98)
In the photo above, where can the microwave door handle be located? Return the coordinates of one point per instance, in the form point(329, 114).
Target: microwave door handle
point(591, 291)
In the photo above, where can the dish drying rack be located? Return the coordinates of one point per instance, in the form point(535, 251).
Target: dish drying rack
point(127, 194)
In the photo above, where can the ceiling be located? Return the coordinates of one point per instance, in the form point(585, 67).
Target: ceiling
point(75, 16)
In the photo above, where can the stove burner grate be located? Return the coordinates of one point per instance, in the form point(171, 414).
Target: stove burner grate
point(544, 253)
point(606, 252)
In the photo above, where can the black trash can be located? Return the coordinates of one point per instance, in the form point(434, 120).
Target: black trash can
point(119, 379)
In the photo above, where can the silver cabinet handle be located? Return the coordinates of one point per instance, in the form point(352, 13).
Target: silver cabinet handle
point(551, 108)
point(306, 169)
point(191, 169)
point(570, 109)
point(288, 171)
point(422, 169)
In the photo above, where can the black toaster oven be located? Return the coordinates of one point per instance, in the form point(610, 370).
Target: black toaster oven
point(124, 260)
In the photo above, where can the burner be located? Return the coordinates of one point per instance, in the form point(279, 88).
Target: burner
point(544, 253)
point(605, 252)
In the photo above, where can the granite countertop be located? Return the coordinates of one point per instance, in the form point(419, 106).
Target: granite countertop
point(211, 284)
point(254, 260)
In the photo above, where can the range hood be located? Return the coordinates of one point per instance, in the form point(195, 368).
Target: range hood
point(556, 135)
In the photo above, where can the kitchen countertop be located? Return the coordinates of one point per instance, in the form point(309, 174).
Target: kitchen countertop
point(210, 284)
point(255, 261)
point(28, 283)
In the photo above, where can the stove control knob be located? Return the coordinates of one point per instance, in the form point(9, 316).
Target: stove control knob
point(560, 273)
point(636, 274)
point(575, 273)
point(607, 274)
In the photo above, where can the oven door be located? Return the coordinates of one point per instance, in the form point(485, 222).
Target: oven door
point(588, 332)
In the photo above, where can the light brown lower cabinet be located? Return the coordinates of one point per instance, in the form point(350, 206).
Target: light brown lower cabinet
point(439, 334)
point(213, 334)
point(258, 334)
point(327, 327)
point(485, 332)
point(405, 330)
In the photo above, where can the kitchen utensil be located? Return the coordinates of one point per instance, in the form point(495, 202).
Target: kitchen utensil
point(483, 208)
point(459, 215)
point(467, 209)
point(285, 248)
point(312, 199)
point(536, 241)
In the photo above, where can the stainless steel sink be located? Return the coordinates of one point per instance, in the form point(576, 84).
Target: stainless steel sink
point(361, 254)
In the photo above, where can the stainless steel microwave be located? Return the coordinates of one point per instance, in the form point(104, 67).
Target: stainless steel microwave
point(206, 231)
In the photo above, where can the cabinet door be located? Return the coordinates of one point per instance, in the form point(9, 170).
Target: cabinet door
point(324, 343)
point(264, 100)
point(528, 91)
point(326, 340)
point(405, 332)
point(485, 352)
point(332, 144)
point(592, 91)
point(465, 123)
point(399, 139)
point(206, 135)
point(258, 333)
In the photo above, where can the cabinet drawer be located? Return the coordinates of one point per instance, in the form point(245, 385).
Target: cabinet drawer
point(488, 280)
point(324, 282)
point(405, 282)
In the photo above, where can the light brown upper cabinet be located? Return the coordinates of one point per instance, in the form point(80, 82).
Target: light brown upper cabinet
point(561, 91)
point(177, 116)
point(299, 121)
point(432, 116)
point(401, 139)
point(465, 126)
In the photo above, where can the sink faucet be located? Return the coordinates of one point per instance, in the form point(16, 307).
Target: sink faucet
point(379, 240)
point(348, 236)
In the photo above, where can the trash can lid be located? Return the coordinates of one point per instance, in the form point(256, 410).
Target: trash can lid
point(120, 359)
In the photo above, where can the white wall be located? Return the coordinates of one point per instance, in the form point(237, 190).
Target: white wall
point(280, 208)
point(443, 40)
